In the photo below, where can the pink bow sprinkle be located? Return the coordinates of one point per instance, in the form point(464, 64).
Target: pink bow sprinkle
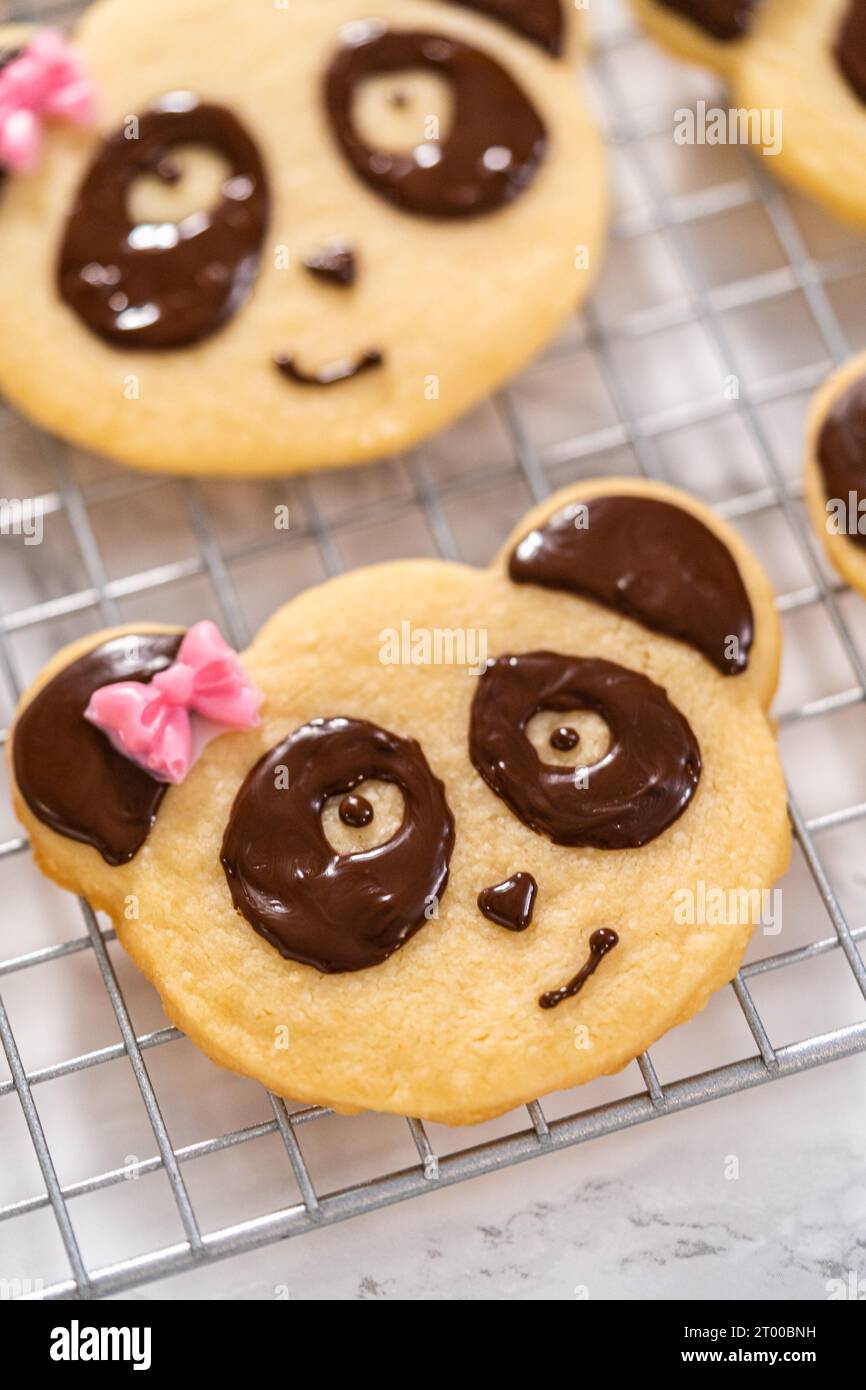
point(44, 81)
point(150, 724)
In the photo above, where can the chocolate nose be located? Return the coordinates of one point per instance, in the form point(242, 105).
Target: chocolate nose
point(336, 262)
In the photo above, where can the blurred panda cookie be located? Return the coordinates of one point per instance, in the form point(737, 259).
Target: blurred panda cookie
point(835, 470)
point(463, 837)
point(709, 32)
point(248, 239)
point(803, 58)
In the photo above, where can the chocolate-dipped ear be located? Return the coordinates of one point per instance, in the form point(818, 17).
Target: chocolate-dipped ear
point(662, 558)
point(540, 21)
point(710, 33)
point(67, 772)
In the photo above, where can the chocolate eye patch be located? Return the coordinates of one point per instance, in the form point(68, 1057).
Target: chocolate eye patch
point(641, 786)
point(496, 143)
point(166, 284)
point(337, 912)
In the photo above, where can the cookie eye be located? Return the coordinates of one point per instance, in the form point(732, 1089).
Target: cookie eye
point(641, 783)
point(569, 738)
point(145, 283)
point(327, 906)
point(495, 142)
point(363, 819)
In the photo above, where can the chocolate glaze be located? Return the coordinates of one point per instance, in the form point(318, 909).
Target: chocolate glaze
point(851, 47)
point(722, 19)
point(121, 279)
point(842, 449)
point(497, 140)
point(600, 943)
point(69, 773)
point(356, 811)
point(643, 783)
point(336, 264)
point(334, 373)
point(336, 912)
point(510, 904)
point(564, 739)
point(652, 561)
point(540, 21)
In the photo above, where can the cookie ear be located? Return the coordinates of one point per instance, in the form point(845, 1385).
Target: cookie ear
point(542, 22)
point(709, 33)
point(584, 541)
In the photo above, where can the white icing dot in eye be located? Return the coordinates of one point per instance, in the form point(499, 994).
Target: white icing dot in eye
point(496, 158)
point(194, 225)
point(427, 156)
point(239, 188)
point(140, 317)
point(96, 274)
point(153, 236)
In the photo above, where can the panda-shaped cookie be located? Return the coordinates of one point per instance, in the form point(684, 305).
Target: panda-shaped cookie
point(805, 59)
point(290, 235)
point(474, 835)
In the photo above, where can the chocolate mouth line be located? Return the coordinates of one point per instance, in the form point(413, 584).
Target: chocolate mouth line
point(334, 372)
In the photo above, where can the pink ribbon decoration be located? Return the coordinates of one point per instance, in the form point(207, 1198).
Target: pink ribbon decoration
point(45, 81)
point(151, 723)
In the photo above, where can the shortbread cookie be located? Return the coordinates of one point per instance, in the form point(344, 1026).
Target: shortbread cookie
point(709, 32)
point(835, 472)
point(465, 856)
point(298, 235)
point(804, 58)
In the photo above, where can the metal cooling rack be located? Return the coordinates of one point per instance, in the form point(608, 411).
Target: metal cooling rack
point(671, 216)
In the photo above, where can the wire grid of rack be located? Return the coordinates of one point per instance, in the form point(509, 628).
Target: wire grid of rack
point(670, 216)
